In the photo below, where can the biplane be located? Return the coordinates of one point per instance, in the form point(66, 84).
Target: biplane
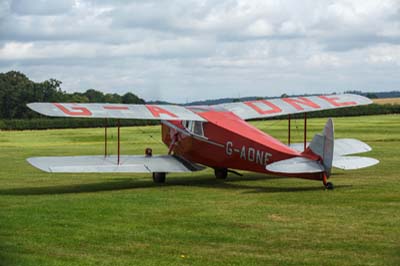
point(219, 137)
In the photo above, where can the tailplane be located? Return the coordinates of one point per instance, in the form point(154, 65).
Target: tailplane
point(332, 153)
point(322, 145)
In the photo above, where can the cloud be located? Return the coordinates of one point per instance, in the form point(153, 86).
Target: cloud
point(192, 49)
point(41, 7)
point(182, 47)
point(384, 54)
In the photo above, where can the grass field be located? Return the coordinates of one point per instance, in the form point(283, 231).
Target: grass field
point(194, 219)
point(387, 101)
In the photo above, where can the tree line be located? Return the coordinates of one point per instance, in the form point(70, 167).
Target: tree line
point(16, 90)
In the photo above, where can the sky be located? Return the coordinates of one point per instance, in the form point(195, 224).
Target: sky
point(187, 50)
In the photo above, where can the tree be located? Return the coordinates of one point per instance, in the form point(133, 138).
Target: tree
point(131, 98)
point(16, 90)
point(371, 95)
point(78, 98)
point(94, 96)
point(112, 98)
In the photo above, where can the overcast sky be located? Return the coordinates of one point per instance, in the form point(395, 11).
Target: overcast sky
point(190, 50)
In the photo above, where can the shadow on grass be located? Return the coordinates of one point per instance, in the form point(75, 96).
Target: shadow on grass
point(130, 184)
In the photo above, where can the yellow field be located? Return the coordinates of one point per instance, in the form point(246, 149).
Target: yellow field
point(387, 101)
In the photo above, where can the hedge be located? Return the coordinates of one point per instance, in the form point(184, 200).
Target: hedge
point(372, 109)
point(54, 123)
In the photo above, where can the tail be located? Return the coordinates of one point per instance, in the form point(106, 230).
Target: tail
point(329, 152)
point(323, 145)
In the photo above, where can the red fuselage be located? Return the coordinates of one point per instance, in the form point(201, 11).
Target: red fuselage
point(227, 141)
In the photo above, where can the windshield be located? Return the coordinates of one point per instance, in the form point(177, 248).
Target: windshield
point(194, 127)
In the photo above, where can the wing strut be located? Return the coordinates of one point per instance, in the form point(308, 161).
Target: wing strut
point(105, 137)
point(305, 131)
point(289, 129)
point(119, 149)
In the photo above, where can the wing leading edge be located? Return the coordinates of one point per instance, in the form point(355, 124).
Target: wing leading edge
point(283, 106)
point(245, 110)
point(122, 111)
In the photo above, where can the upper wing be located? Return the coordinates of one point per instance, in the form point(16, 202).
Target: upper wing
point(284, 106)
point(245, 110)
point(123, 111)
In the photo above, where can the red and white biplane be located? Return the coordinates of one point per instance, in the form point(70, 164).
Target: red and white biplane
point(218, 137)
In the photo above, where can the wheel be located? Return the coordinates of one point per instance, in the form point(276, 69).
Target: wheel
point(221, 173)
point(329, 186)
point(159, 177)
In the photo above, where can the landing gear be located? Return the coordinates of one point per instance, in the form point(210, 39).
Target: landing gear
point(221, 173)
point(328, 185)
point(159, 177)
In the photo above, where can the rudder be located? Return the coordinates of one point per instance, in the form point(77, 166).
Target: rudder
point(323, 144)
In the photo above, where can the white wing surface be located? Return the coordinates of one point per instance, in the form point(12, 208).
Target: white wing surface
point(296, 165)
point(353, 162)
point(344, 147)
point(283, 106)
point(101, 164)
point(341, 147)
point(122, 111)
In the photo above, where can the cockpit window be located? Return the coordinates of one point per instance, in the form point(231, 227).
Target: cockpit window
point(198, 128)
point(195, 127)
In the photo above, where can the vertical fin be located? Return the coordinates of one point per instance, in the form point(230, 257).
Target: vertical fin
point(323, 144)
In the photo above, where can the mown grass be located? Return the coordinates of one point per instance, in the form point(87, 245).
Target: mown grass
point(194, 219)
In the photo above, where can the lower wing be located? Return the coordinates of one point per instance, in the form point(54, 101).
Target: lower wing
point(109, 164)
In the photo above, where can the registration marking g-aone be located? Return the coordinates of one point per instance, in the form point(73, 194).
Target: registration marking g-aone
point(82, 110)
point(248, 153)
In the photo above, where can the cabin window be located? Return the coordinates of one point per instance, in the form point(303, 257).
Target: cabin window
point(198, 128)
point(194, 127)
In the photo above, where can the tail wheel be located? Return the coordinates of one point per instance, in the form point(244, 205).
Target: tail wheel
point(159, 177)
point(221, 173)
point(328, 185)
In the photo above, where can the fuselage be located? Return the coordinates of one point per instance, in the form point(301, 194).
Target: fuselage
point(226, 141)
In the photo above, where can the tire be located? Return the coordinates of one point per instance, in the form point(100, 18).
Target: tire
point(159, 177)
point(221, 173)
point(329, 186)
